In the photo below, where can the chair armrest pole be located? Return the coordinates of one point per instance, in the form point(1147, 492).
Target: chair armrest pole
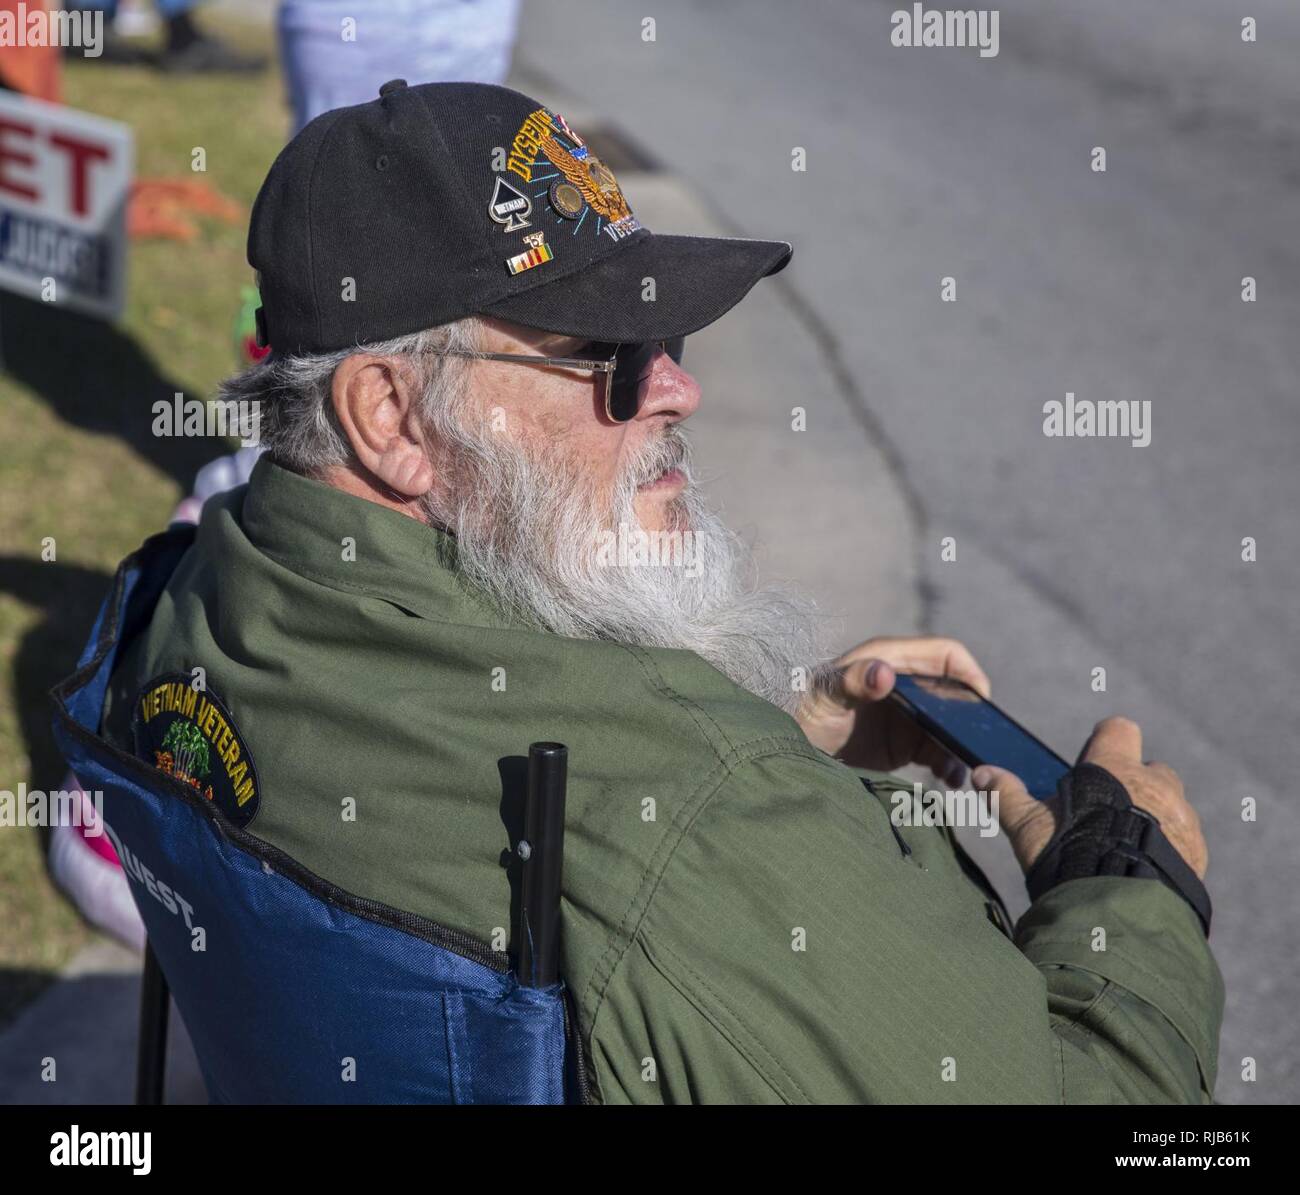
point(151, 1056)
point(539, 946)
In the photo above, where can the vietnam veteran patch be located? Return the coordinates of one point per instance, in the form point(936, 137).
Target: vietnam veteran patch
point(191, 736)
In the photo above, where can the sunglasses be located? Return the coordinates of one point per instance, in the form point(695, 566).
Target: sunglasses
point(625, 367)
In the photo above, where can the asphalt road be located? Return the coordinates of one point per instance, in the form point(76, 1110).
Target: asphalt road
point(1072, 554)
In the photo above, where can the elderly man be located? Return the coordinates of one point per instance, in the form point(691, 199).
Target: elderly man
point(470, 412)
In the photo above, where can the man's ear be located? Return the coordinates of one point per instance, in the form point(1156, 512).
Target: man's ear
point(375, 401)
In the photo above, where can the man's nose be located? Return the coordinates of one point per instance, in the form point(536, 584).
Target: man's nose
point(668, 390)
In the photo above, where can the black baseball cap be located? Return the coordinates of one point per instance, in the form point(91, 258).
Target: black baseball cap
point(445, 200)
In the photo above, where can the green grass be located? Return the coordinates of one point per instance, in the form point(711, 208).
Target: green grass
point(77, 460)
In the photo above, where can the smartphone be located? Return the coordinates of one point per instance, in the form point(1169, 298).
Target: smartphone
point(976, 731)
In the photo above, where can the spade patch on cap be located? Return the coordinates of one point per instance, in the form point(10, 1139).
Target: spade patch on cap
point(509, 207)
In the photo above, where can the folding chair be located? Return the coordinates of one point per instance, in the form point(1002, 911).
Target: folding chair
point(293, 990)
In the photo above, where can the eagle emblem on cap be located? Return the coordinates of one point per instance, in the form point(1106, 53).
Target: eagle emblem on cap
point(591, 176)
point(546, 135)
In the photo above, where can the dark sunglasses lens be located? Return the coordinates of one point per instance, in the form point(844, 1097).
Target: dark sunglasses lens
point(625, 391)
point(634, 364)
point(618, 405)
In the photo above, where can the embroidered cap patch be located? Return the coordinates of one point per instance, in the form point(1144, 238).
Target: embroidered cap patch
point(191, 736)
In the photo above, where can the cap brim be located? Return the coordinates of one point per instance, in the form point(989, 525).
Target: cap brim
point(697, 280)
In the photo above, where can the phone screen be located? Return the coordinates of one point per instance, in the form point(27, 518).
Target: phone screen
point(978, 732)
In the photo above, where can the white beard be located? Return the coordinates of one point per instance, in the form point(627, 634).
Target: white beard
point(529, 534)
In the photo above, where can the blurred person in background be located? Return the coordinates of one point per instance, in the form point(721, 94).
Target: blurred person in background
point(335, 55)
point(187, 49)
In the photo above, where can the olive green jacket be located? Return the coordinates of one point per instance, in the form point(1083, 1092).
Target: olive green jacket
point(741, 921)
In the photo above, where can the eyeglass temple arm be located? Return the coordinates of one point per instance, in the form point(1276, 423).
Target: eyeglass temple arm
point(531, 359)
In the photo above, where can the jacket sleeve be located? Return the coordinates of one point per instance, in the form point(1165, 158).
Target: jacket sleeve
point(1134, 995)
point(794, 948)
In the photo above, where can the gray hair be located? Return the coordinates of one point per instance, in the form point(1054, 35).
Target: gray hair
point(299, 428)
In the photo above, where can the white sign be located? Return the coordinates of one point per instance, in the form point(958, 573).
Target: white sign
point(65, 177)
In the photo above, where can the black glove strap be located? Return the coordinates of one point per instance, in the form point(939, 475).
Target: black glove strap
point(1100, 832)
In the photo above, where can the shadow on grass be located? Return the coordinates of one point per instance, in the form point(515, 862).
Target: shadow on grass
point(68, 596)
point(96, 378)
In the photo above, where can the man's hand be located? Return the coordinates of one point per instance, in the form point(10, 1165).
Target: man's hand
point(1116, 745)
point(847, 716)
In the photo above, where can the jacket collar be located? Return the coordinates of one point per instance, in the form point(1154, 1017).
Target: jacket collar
point(357, 546)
